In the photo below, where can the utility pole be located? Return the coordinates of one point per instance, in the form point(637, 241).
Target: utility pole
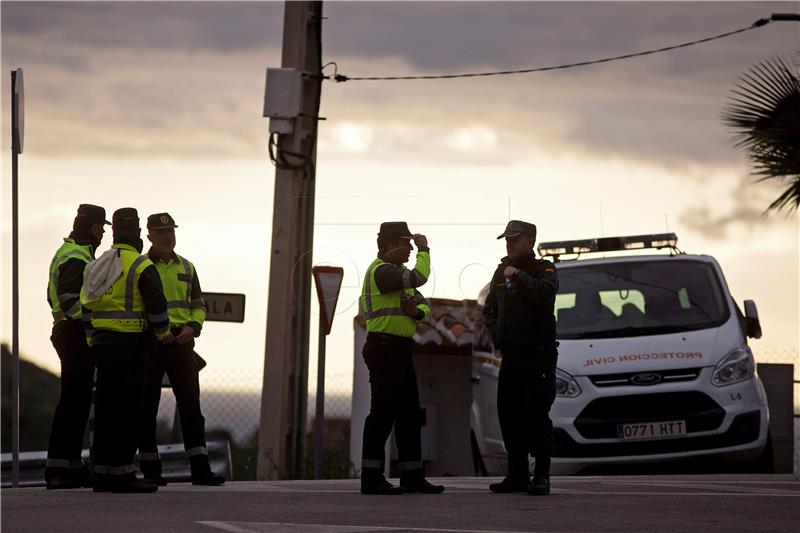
point(285, 385)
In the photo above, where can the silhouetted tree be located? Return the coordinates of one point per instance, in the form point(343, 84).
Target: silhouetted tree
point(764, 112)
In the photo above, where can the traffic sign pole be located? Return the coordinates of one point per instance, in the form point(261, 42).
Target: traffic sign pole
point(17, 132)
point(319, 417)
point(328, 281)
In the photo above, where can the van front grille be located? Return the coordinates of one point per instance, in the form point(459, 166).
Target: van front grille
point(650, 378)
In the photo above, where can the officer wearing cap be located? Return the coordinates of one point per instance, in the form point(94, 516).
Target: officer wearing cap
point(187, 311)
point(519, 314)
point(64, 468)
point(121, 295)
point(392, 307)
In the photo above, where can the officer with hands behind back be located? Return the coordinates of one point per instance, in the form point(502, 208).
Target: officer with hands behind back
point(519, 315)
point(392, 306)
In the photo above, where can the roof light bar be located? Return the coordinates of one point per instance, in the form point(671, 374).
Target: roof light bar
point(608, 244)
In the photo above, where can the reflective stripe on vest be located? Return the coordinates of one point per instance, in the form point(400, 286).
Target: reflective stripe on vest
point(121, 308)
point(68, 250)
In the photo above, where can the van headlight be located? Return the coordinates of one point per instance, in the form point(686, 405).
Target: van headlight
point(737, 366)
point(566, 386)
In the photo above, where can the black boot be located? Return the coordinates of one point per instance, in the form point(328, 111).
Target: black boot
point(67, 478)
point(60, 478)
point(511, 484)
point(414, 481)
point(83, 477)
point(201, 471)
point(102, 483)
point(129, 484)
point(540, 486)
point(151, 470)
point(373, 482)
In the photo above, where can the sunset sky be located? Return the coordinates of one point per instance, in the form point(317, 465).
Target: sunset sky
point(158, 106)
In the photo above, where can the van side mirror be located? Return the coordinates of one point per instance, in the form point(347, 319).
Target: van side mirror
point(752, 324)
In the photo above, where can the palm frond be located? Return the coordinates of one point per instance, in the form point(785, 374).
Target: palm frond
point(763, 112)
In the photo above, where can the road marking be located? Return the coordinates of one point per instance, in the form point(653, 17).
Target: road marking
point(659, 489)
point(284, 527)
point(714, 481)
point(226, 526)
point(698, 479)
point(713, 486)
point(789, 494)
point(690, 494)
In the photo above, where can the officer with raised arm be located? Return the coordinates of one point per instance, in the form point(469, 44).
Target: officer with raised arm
point(392, 307)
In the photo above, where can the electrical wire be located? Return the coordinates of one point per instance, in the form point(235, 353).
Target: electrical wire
point(757, 24)
point(278, 155)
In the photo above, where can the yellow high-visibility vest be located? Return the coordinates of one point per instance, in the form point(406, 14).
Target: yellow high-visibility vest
point(69, 250)
point(121, 307)
point(176, 276)
point(383, 312)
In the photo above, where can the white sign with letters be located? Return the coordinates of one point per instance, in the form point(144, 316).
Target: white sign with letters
point(224, 307)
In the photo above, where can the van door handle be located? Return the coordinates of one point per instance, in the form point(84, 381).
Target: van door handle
point(475, 379)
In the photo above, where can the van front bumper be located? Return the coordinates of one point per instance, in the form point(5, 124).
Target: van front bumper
point(744, 429)
point(726, 422)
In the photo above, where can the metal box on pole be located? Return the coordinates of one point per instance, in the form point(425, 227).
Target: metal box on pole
point(283, 98)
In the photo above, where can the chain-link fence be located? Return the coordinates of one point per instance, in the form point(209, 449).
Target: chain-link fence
point(232, 405)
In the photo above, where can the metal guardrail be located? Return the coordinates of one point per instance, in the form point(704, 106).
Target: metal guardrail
point(175, 465)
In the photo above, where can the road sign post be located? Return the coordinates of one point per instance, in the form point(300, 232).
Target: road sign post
point(17, 136)
point(328, 281)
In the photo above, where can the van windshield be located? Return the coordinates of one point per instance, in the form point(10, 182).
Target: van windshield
point(638, 298)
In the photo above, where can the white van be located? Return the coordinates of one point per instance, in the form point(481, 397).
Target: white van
point(653, 361)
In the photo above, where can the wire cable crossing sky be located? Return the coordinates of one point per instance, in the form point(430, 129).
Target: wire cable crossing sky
point(757, 24)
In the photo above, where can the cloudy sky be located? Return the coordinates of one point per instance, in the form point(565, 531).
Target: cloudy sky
point(158, 106)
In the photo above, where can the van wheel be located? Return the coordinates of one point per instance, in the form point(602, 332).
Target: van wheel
point(477, 458)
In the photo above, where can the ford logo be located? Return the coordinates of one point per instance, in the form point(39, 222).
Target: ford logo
point(647, 378)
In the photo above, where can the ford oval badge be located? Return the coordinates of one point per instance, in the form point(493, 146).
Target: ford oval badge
point(647, 378)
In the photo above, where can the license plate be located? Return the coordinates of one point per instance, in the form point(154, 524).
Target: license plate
point(651, 430)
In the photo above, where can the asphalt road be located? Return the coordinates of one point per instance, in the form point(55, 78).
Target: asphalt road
point(623, 503)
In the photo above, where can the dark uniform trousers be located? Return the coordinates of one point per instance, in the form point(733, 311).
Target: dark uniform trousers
point(118, 403)
point(394, 402)
point(72, 412)
point(525, 393)
point(178, 361)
